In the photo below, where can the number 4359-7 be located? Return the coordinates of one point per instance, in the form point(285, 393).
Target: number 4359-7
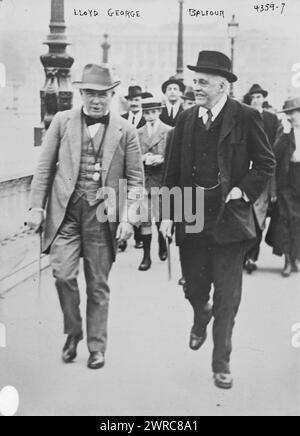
point(270, 7)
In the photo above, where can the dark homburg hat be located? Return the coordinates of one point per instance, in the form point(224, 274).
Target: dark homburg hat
point(257, 89)
point(173, 81)
point(291, 104)
point(135, 91)
point(97, 78)
point(189, 94)
point(151, 103)
point(214, 62)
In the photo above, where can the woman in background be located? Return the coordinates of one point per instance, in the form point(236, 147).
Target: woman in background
point(284, 232)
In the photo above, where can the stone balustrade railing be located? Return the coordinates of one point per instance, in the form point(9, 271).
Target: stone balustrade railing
point(14, 201)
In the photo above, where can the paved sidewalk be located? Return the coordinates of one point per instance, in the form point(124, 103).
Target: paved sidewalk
point(150, 369)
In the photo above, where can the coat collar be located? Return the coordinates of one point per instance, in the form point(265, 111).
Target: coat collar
point(112, 139)
point(229, 119)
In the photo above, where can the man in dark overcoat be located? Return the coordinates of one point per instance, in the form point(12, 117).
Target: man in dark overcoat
point(256, 97)
point(173, 90)
point(219, 147)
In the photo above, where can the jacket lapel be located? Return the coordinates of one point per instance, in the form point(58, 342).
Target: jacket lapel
point(154, 140)
point(229, 120)
point(144, 139)
point(111, 142)
point(74, 132)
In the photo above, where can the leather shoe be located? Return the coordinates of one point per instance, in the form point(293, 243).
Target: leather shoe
point(122, 246)
point(287, 270)
point(146, 263)
point(96, 360)
point(295, 266)
point(250, 266)
point(139, 245)
point(223, 381)
point(182, 282)
point(70, 349)
point(196, 341)
point(163, 255)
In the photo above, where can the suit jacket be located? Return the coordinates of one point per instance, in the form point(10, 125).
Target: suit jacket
point(58, 169)
point(242, 141)
point(261, 206)
point(154, 145)
point(141, 123)
point(164, 116)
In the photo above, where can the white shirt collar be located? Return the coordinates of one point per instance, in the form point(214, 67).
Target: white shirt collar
point(175, 107)
point(215, 110)
point(137, 117)
point(95, 127)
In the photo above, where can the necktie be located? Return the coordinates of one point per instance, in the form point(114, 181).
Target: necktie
point(209, 119)
point(172, 113)
point(133, 119)
point(90, 121)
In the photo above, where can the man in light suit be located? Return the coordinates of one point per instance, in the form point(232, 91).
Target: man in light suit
point(85, 151)
point(153, 141)
point(219, 147)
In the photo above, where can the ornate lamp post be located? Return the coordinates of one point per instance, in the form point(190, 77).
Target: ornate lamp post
point(105, 47)
point(57, 94)
point(180, 67)
point(233, 28)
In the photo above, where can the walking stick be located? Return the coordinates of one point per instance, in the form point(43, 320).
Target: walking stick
point(39, 262)
point(169, 240)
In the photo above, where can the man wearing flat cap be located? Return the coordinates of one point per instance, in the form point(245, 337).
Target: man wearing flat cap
point(220, 148)
point(256, 97)
point(173, 90)
point(85, 152)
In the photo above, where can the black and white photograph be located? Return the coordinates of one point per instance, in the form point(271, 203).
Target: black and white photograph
point(149, 210)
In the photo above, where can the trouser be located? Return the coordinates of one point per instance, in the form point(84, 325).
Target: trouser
point(205, 263)
point(254, 247)
point(82, 235)
point(137, 234)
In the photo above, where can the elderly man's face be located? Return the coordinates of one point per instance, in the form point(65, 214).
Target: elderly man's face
point(96, 103)
point(208, 89)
